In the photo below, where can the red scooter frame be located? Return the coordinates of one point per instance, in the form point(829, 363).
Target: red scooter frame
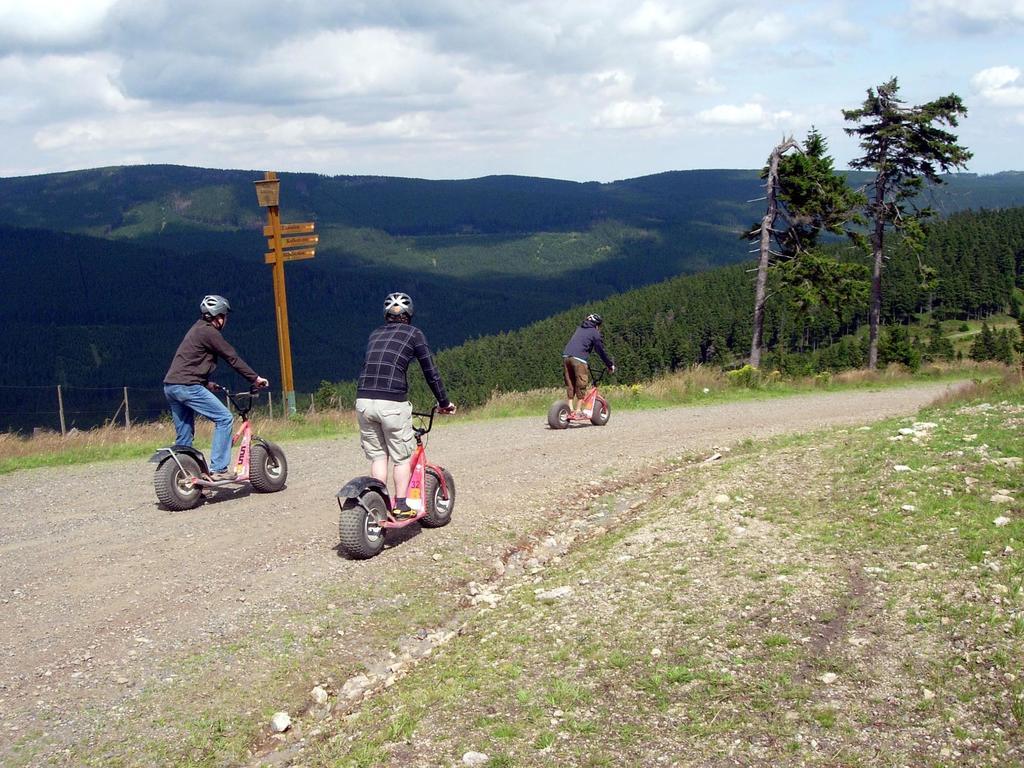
point(594, 409)
point(183, 476)
point(367, 509)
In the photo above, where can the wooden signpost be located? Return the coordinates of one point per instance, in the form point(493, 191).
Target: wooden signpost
point(288, 242)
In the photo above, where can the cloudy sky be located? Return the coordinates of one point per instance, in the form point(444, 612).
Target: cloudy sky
point(570, 89)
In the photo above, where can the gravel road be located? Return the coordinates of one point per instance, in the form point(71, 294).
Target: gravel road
point(99, 587)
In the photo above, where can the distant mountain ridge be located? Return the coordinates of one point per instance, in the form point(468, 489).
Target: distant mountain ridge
point(120, 200)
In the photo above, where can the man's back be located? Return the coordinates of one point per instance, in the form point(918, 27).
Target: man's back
point(389, 350)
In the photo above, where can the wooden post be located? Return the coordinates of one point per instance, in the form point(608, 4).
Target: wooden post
point(60, 405)
point(284, 345)
point(127, 418)
point(268, 196)
point(270, 404)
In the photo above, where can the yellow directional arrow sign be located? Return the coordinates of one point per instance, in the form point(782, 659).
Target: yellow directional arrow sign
point(290, 229)
point(295, 242)
point(304, 253)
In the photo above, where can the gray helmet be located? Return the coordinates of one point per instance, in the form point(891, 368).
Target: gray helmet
point(398, 304)
point(214, 305)
point(595, 318)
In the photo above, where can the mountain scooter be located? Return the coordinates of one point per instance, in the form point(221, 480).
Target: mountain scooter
point(593, 407)
point(182, 475)
point(366, 507)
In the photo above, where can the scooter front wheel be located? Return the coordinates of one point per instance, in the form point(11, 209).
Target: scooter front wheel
point(362, 536)
point(174, 487)
point(558, 415)
point(268, 469)
point(439, 506)
point(602, 412)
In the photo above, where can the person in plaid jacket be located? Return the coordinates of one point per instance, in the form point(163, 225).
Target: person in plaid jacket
point(382, 395)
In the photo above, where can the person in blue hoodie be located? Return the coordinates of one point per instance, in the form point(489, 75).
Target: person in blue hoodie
point(575, 357)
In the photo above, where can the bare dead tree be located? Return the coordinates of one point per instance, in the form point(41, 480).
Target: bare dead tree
point(765, 251)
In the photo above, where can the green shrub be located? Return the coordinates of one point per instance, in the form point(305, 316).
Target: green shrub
point(747, 377)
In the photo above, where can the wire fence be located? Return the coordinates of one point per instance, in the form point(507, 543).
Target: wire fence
point(61, 408)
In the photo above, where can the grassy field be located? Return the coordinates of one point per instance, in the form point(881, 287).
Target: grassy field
point(962, 339)
point(848, 598)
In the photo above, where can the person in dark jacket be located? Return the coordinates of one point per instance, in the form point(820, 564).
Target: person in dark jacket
point(575, 358)
point(187, 383)
point(382, 405)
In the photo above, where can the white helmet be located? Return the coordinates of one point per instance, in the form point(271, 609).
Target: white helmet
point(398, 304)
point(214, 305)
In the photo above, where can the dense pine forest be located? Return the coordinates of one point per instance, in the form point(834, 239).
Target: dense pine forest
point(969, 267)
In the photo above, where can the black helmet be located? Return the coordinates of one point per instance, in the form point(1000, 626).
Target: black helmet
point(595, 318)
point(214, 305)
point(396, 305)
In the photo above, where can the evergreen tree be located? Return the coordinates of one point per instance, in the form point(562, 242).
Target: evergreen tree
point(904, 147)
point(805, 197)
point(939, 347)
point(898, 347)
point(1002, 348)
point(984, 345)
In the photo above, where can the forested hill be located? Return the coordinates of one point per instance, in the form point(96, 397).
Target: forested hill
point(978, 257)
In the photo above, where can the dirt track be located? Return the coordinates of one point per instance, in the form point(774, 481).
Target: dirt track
point(98, 586)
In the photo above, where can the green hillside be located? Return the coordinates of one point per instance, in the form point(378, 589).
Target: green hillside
point(706, 318)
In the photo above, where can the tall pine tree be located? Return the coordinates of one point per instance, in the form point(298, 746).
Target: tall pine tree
point(904, 146)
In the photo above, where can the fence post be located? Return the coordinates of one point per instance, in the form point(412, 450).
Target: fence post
point(60, 405)
point(270, 403)
point(127, 418)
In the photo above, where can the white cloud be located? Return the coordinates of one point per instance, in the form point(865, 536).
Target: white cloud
point(337, 63)
point(1001, 86)
point(632, 114)
point(614, 83)
point(743, 115)
point(751, 25)
point(324, 67)
point(52, 86)
point(968, 16)
point(160, 131)
point(686, 52)
point(27, 23)
point(652, 19)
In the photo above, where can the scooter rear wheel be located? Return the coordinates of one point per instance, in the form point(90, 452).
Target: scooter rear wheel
point(174, 488)
point(362, 536)
point(439, 508)
point(558, 415)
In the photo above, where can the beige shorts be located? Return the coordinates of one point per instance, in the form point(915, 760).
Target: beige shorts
point(385, 429)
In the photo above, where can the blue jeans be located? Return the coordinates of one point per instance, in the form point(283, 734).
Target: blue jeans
point(186, 400)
